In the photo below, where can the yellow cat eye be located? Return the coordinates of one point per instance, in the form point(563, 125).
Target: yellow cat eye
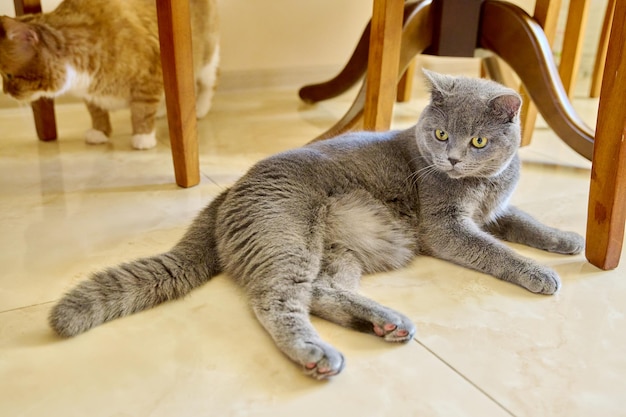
point(479, 142)
point(441, 135)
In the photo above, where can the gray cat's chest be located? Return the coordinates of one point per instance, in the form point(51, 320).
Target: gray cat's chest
point(476, 199)
point(483, 202)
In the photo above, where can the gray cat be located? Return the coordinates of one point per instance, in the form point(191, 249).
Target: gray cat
point(301, 227)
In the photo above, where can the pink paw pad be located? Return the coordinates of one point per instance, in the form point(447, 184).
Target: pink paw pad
point(389, 327)
point(321, 370)
point(392, 333)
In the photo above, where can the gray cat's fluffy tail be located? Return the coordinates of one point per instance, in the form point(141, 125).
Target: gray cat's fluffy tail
point(144, 283)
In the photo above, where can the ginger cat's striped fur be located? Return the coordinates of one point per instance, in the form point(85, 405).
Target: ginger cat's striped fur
point(106, 52)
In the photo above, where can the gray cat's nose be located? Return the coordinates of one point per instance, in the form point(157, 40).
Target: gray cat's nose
point(454, 161)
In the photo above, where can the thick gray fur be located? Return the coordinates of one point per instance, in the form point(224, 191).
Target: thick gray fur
point(301, 227)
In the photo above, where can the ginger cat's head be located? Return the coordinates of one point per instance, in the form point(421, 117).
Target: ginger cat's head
point(28, 62)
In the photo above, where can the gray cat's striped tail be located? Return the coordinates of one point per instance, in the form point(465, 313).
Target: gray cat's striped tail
point(144, 283)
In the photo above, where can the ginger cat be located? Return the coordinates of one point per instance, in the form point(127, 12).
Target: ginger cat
point(107, 53)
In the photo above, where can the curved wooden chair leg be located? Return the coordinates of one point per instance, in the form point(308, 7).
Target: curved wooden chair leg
point(352, 72)
point(405, 85)
point(502, 26)
point(546, 14)
point(416, 37)
point(352, 120)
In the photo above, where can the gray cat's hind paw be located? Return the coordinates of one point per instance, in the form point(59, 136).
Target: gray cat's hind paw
point(399, 329)
point(323, 362)
point(392, 333)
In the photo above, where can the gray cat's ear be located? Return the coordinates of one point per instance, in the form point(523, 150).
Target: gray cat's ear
point(439, 85)
point(506, 106)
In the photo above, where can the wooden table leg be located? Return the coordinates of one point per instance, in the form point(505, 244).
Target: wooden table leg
point(607, 194)
point(383, 64)
point(504, 24)
point(355, 69)
point(416, 37)
point(351, 73)
point(176, 60)
point(43, 109)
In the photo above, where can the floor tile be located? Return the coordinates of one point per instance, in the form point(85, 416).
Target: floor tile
point(207, 355)
point(483, 348)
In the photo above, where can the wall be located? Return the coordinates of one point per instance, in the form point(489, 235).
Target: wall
point(269, 42)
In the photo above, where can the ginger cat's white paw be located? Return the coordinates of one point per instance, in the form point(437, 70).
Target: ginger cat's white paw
point(95, 137)
point(144, 141)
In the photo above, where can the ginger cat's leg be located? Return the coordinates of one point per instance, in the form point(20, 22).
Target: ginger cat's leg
point(100, 125)
point(143, 114)
point(205, 84)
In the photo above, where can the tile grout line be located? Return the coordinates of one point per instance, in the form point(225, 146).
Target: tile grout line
point(472, 383)
point(28, 306)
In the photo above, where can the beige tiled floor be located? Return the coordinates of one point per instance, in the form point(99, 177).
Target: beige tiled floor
point(483, 348)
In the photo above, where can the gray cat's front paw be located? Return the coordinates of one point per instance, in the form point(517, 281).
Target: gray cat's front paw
point(322, 360)
point(540, 279)
point(569, 243)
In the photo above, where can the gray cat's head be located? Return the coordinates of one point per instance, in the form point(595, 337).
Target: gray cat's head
point(470, 128)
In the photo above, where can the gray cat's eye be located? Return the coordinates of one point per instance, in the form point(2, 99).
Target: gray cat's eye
point(441, 135)
point(479, 142)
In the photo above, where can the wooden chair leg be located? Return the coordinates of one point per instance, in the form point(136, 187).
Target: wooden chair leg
point(603, 44)
point(176, 60)
point(546, 14)
point(43, 109)
point(572, 43)
point(607, 194)
point(45, 119)
point(382, 67)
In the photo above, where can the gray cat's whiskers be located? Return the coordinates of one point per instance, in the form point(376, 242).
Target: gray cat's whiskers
point(425, 172)
point(414, 177)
